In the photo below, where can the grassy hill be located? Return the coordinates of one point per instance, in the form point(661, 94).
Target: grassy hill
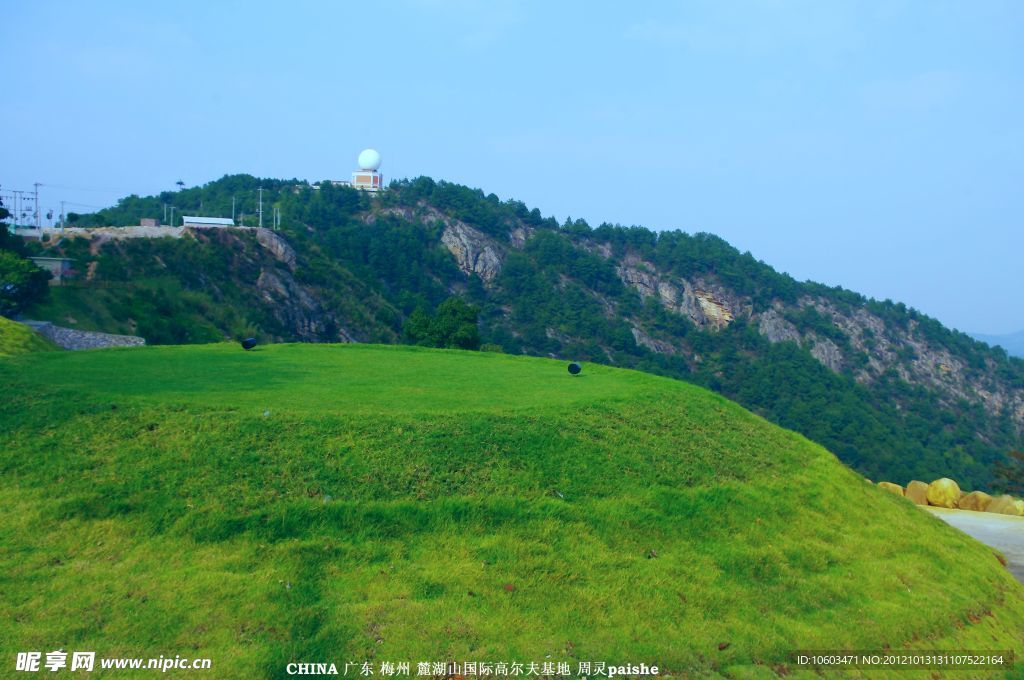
point(889, 390)
point(352, 502)
point(16, 338)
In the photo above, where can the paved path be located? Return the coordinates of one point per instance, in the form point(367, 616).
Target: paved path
point(1003, 532)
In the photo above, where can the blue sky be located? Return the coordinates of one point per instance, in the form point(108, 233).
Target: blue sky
point(875, 145)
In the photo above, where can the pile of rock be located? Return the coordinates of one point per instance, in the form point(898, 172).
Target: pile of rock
point(945, 493)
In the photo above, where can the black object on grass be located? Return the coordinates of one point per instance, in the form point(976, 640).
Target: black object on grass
point(248, 343)
point(575, 368)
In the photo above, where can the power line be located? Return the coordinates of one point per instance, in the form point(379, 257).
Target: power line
point(85, 205)
point(97, 189)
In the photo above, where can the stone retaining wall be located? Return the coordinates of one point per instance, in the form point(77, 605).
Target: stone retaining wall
point(71, 338)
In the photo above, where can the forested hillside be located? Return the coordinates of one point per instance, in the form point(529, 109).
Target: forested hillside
point(890, 391)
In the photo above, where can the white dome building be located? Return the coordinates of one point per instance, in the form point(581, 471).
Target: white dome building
point(367, 177)
point(369, 159)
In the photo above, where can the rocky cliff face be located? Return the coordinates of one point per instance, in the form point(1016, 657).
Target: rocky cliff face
point(278, 246)
point(474, 252)
point(294, 307)
point(872, 345)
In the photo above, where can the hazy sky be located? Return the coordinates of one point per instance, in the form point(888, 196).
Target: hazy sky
point(875, 145)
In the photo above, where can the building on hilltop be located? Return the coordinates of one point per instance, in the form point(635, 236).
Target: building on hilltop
point(367, 177)
point(206, 222)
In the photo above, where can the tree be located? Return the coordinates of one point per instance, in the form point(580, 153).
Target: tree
point(1009, 476)
point(21, 283)
point(9, 241)
point(453, 325)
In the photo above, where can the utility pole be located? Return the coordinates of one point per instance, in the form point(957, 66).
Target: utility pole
point(17, 209)
point(232, 209)
point(165, 213)
point(37, 185)
point(172, 215)
point(62, 214)
point(261, 206)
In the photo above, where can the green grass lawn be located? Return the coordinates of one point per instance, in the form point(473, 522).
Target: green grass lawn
point(350, 503)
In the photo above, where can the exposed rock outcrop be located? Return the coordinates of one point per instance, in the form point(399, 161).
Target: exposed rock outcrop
point(278, 247)
point(828, 353)
point(715, 310)
point(705, 308)
point(650, 343)
point(474, 252)
point(296, 309)
point(777, 328)
point(519, 236)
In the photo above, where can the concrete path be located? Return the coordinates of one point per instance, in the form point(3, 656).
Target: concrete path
point(1003, 532)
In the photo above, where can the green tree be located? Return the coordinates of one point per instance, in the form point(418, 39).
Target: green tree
point(21, 283)
point(9, 241)
point(453, 325)
point(1009, 476)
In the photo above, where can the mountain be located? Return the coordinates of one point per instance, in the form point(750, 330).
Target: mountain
point(318, 503)
point(890, 391)
point(1013, 343)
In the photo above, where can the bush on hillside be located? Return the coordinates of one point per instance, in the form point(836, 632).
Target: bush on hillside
point(453, 325)
point(21, 283)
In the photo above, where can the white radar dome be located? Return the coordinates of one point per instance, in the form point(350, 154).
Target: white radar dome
point(369, 159)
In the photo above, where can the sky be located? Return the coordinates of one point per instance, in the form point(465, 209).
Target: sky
point(873, 145)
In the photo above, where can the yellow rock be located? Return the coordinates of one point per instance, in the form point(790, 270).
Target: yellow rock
point(1020, 507)
point(943, 493)
point(892, 488)
point(1004, 505)
point(917, 492)
point(975, 500)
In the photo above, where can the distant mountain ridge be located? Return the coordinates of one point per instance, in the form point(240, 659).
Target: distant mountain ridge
point(889, 390)
point(1011, 342)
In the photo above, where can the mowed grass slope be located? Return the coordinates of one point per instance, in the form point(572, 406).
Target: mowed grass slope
point(16, 338)
point(351, 503)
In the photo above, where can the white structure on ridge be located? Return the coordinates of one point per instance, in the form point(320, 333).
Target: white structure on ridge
point(202, 222)
point(367, 177)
